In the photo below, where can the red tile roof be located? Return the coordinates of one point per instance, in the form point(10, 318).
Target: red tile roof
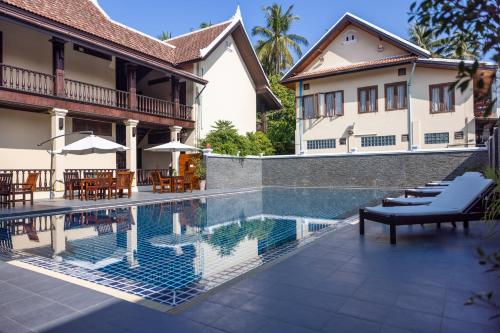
point(188, 46)
point(352, 67)
point(85, 16)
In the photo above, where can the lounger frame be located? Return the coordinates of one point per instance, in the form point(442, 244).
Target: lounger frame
point(474, 212)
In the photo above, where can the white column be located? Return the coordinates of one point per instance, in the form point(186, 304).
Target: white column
point(58, 237)
point(131, 142)
point(132, 239)
point(57, 125)
point(174, 135)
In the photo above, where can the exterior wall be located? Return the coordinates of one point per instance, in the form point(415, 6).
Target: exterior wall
point(230, 93)
point(35, 53)
point(385, 122)
point(160, 90)
point(153, 160)
point(233, 172)
point(339, 53)
point(83, 67)
point(26, 48)
point(389, 170)
point(21, 131)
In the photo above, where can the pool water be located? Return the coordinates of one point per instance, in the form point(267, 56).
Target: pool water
point(173, 251)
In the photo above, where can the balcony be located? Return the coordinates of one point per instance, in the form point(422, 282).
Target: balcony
point(33, 82)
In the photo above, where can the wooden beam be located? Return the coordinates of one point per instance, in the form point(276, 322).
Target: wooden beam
point(158, 81)
point(131, 72)
point(58, 66)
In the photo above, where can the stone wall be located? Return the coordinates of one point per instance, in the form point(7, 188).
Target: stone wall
point(233, 172)
point(388, 170)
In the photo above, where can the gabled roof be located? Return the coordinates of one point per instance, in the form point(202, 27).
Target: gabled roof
point(338, 27)
point(344, 69)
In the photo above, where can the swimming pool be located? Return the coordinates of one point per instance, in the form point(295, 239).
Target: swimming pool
point(173, 251)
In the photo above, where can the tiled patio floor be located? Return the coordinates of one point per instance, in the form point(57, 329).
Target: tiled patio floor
point(341, 283)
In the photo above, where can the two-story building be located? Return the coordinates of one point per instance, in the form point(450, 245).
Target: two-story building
point(67, 67)
point(361, 88)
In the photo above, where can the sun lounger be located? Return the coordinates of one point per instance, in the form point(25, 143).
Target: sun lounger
point(423, 192)
point(462, 203)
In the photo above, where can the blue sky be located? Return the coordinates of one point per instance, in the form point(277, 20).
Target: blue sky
point(316, 16)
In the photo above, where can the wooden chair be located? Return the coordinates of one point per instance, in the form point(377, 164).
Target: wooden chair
point(28, 187)
point(5, 189)
point(159, 181)
point(71, 184)
point(178, 184)
point(99, 186)
point(189, 181)
point(123, 182)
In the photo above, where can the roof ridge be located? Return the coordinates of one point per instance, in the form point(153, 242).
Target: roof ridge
point(200, 30)
point(101, 10)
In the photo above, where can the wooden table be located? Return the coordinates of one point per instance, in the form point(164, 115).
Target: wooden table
point(174, 182)
point(82, 184)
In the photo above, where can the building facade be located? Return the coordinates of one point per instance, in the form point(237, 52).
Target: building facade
point(67, 67)
point(361, 88)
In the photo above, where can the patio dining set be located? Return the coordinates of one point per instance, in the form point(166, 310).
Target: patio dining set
point(97, 185)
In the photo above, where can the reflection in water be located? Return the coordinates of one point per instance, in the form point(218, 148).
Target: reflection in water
point(170, 252)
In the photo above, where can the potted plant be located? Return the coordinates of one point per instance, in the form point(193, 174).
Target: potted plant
point(200, 171)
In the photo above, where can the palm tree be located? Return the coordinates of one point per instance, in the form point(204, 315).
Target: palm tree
point(461, 46)
point(204, 25)
point(165, 35)
point(423, 37)
point(274, 49)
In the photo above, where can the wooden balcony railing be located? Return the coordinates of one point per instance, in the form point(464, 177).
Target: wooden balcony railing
point(20, 175)
point(89, 93)
point(162, 107)
point(26, 80)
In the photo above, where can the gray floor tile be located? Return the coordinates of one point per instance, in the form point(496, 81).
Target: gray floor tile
point(339, 323)
point(238, 321)
point(457, 326)
point(421, 303)
point(275, 326)
point(9, 326)
point(413, 320)
point(365, 310)
point(476, 313)
point(206, 312)
point(41, 316)
point(231, 297)
point(13, 294)
point(376, 295)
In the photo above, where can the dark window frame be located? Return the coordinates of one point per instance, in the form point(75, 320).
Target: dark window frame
point(315, 114)
point(101, 128)
point(395, 85)
point(368, 88)
point(441, 87)
point(334, 111)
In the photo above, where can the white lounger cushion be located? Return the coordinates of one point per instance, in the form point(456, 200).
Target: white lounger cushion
point(409, 201)
point(456, 199)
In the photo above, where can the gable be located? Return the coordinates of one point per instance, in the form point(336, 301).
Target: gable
point(353, 45)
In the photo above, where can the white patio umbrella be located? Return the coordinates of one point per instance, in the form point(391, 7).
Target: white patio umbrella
point(92, 144)
point(172, 147)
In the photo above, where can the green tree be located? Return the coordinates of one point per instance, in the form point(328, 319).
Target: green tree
point(274, 49)
point(422, 36)
point(204, 25)
point(475, 21)
point(225, 139)
point(165, 35)
point(281, 123)
point(259, 143)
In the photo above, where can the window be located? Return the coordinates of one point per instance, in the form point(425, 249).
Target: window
point(309, 106)
point(395, 96)
point(404, 137)
point(377, 141)
point(334, 103)
point(441, 98)
point(321, 144)
point(98, 127)
point(436, 138)
point(459, 135)
point(367, 99)
point(401, 71)
point(307, 86)
point(350, 37)
point(342, 141)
